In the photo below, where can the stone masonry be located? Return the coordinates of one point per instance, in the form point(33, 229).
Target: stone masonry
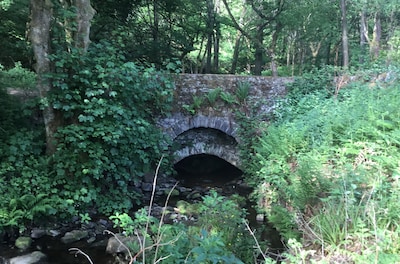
point(209, 127)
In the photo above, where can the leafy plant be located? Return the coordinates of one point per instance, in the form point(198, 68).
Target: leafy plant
point(213, 95)
point(85, 218)
point(331, 161)
point(211, 249)
point(17, 77)
point(195, 106)
point(242, 91)
point(219, 236)
point(109, 137)
point(223, 216)
point(228, 98)
point(27, 209)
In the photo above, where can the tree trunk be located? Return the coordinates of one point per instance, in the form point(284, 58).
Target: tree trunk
point(236, 53)
point(155, 33)
point(239, 36)
point(39, 34)
point(376, 37)
point(315, 47)
point(363, 36)
point(345, 40)
point(84, 15)
point(217, 37)
point(274, 63)
point(210, 34)
point(258, 54)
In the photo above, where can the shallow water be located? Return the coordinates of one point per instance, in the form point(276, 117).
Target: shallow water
point(58, 253)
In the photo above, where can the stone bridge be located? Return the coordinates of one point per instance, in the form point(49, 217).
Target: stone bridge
point(203, 120)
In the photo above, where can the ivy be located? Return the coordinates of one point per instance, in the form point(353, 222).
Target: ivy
point(109, 138)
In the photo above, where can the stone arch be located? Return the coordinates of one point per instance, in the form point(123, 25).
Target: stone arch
point(203, 140)
point(179, 123)
point(201, 134)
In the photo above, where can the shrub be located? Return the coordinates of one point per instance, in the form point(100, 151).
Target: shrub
point(329, 165)
point(219, 235)
point(109, 138)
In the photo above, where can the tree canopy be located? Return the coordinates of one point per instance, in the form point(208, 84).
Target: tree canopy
point(274, 37)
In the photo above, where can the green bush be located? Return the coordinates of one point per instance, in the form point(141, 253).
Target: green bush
point(219, 235)
point(329, 165)
point(17, 77)
point(28, 194)
point(108, 139)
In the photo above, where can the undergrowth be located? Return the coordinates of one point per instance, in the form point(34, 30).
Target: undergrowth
point(326, 172)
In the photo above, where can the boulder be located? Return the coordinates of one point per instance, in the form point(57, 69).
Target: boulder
point(23, 243)
point(4, 260)
point(37, 233)
point(74, 235)
point(119, 244)
point(35, 257)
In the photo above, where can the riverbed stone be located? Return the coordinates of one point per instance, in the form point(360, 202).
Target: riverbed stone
point(260, 217)
point(37, 233)
point(118, 243)
point(74, 235)
point(53, 232)
point(23, 243)
point(35, 257)
point(147, 187)
point(172, 192)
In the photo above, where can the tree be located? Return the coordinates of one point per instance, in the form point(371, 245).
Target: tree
point(13, 19)
point(40, 36)
point(345, 40)
point(266, 16)
point(40, 26)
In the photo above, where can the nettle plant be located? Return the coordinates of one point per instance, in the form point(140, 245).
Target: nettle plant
point(108, 138)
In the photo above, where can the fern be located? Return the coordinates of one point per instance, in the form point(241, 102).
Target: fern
point(242, 91)
point(213, 95)
point(28, 207)
point(228, 98)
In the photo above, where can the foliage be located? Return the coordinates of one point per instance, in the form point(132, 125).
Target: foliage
point(219, 235)
point(28, 194)
point(17, 77)
point(329, 165)
point(211, 249)
point(224, 217)
point(213, 95)
point(23, 165)
point(228, 98)
point(108, 139)
point(14, 17)
point(27, 210)
point(195, 106)
point(298, 36)
point(242, 92)
point(13, 114)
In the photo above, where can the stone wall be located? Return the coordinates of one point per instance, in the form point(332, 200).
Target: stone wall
point(219, 115)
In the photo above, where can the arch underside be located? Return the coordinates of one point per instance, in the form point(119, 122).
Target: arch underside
point(177, 124)
point(206, 141)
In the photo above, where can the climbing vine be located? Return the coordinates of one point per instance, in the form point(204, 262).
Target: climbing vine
point(108, 139)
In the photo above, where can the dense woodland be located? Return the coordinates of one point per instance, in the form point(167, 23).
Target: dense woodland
point(94, 75)
point(278, 37)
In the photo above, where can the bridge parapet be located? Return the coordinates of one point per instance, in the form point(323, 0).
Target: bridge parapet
point(263, 91)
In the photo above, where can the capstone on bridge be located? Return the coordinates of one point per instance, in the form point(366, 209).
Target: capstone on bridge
point(202, 123)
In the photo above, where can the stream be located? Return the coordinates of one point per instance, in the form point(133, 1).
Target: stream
point(213, 174)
